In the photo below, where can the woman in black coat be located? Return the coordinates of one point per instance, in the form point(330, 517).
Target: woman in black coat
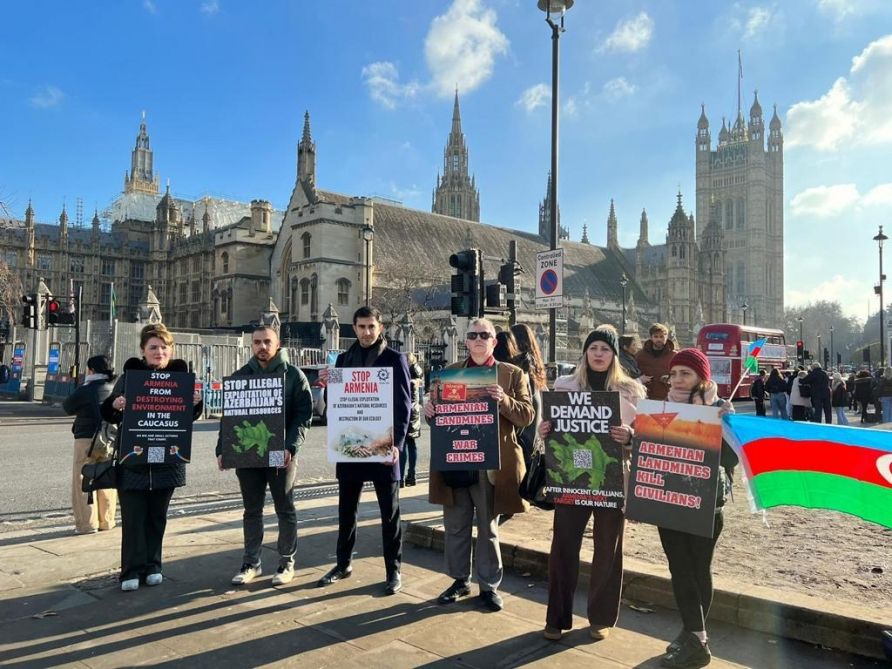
point(145, 489)
point(83, 404)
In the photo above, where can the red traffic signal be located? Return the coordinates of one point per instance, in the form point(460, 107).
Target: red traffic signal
point(52, 310)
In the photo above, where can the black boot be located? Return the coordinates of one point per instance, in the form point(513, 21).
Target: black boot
point(690, 654)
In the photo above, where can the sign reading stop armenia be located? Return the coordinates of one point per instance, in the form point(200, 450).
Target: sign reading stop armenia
point(550, 279)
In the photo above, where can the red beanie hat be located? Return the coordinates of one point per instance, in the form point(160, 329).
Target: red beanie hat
point(693, 358)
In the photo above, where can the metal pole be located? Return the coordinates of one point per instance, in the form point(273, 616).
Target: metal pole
point(882, 315)
point(553, 200)
point(511, 302)
point(77, 334)
point(368, 274)
point(624, 308)
point(832, 356)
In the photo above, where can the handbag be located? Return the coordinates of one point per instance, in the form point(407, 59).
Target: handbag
point(98, 476)
point(104, 442)
point(532, 486)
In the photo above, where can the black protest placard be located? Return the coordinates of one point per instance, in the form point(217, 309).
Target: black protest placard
point(675, 466)
point(584, 465)
point(465, 429)
point(252, 430)
point(157, 425)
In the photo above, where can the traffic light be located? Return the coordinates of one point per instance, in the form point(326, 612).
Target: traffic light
point(466, 284)
point(800, 351)
point(53, 309)
point(496, 296)
point(29, 311)
point(826, 358)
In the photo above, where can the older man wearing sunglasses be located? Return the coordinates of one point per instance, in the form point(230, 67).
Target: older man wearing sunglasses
point(494, 492)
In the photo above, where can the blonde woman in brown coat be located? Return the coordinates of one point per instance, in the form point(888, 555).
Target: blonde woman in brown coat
point(495, 492)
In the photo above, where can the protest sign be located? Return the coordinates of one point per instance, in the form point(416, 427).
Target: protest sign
point(157, 424)
point(252, 430)
point(360, 414)
point(675, 461)
point(465, 429)
point(584, 465)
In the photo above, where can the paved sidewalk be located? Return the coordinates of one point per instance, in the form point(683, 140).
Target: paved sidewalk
point(60, 605)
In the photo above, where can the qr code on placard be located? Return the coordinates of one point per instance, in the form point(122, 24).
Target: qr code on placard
point(156, 454)
point(335, 375)
point(277, 458)
point(582, 459)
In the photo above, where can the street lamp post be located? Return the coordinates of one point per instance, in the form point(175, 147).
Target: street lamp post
point(744, 307)
point(832, 356)
point(800, 319)
point(556, 7)
point(879, 239)
point(624, 281)
point(368, 234)
point(820, 350)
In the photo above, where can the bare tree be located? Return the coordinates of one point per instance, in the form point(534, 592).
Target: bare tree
point(402, 287)
point(10, 292)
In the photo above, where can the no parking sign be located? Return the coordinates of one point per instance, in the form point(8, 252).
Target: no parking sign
point(550, 279)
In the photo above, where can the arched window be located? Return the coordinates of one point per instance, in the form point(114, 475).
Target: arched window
point(741, 278)
point(343, 292)
point(729, 214)
point(224, 259)
point(292, 298)
point(741, 214)
point(305, 239)
point(681, 252)
point(314, 295)
point(304, 291)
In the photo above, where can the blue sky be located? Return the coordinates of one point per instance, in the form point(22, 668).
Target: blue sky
point(225, 85)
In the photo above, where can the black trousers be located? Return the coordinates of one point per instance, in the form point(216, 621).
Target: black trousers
point(253, 483)
point(821, 405)
point(409, 455)
point(143, 521)
point(690, 563)
point(760, 407)
point(388, 493)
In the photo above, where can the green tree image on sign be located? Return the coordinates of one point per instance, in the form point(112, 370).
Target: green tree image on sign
point(250, 436)
point(580, 459)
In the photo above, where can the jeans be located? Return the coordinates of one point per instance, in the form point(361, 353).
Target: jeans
point(409, 455)
point(841, 418)
point(253, 483)
point(778, 405)
point(887, 408)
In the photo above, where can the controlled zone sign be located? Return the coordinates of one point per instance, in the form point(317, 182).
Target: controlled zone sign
point(550, 279)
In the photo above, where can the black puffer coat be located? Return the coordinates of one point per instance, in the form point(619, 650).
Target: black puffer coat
point(144, 476)
point(84, 403)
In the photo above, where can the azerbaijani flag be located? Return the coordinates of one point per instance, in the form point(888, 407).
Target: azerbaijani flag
point(751, 363)
point(815, 466)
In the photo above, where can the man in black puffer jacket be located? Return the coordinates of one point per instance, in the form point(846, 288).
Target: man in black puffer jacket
point(253, 481)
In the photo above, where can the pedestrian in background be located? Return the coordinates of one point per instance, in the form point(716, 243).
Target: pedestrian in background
point(145, 489)
point(270, 358)
point(598, 370)
point(884, 394)
point(839, 398)
point(84, 405)
point(529, 359)
point(819, 382)
point(757, 391)
point(506, 347)
point(409, 454)
point(653, 361)
point(801, 403)
point(777, 391)
point(629, 346)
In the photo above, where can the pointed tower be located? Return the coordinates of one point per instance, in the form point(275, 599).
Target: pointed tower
point(756, 126)
point(642, 234)
point(30, 232)
point(456, 191)
point(205, 220)
point(584, 239)
point(306, 155)
point(96, 224)
point(545, 217)
point(63, 226)
point(142, 178)
point(612, 232)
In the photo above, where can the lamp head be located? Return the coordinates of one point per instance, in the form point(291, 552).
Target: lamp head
point(555, 6)
point(368, 234)
point(880, 236)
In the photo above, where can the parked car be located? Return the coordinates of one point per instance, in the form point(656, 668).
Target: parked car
point(317, 387)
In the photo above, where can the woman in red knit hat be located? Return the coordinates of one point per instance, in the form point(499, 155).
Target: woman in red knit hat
point(689, 555)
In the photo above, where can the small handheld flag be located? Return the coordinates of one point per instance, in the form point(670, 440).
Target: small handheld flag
point(750, 363)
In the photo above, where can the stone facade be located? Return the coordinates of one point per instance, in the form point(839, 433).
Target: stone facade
point(743, 179)
point(456, 191)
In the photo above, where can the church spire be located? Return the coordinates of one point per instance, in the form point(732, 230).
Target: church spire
point(612, 231)
point(456, 193)
point(642, 235)
point(142, 177)
point(584, 239)
point(545, 217)
point(306, 155)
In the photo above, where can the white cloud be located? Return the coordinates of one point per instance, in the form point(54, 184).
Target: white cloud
point(758, 18)
point(462, 45)
point(534, 97)
point(570, 107)
point(46, 97)
point(210, 7)
point(824, 201)
point(383, 81)
point(630, 35)
point(837, 288)
point(149, 6)
point(838, 9)
point(404, 194)
point(619, 88)
point(857, 108)
point(880, 195)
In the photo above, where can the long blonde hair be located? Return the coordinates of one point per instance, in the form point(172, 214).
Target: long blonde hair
point(617, 379)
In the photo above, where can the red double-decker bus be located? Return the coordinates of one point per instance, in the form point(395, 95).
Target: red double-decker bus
point(726, 345)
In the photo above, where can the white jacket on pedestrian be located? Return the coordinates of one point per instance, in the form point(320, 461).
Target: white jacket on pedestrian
point(796, 398)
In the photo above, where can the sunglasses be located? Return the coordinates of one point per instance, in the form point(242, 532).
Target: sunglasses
point(483, 335)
